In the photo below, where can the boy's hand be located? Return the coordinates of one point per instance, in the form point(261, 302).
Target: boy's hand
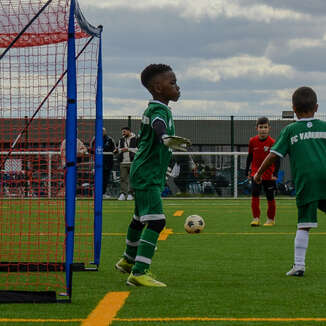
point(176, 142)
point(269, 160)
point(257, 178)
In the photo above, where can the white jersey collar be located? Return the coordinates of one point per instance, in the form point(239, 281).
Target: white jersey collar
point(307, 119)
point(159, 102)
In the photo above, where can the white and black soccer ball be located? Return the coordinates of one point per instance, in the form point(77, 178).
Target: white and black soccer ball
point(194, 224)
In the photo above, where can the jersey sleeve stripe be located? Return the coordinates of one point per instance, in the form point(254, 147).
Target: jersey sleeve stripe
point(277, 153)
point(158, 118)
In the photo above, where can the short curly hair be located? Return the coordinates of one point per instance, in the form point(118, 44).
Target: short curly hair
point(151, 71)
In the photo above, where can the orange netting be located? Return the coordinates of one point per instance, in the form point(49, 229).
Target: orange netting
point(32, 189)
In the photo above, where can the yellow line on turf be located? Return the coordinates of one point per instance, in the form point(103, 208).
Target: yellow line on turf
point(165, 233)
point(114, 234)
point(120, 234)
point(106, 310)
point(167, 319)
point(243, 233)
point(224, 233)
point(24, 320)
point(178, 213)
point(217, 319)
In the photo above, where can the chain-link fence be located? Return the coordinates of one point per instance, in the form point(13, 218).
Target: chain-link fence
point(215, 133)
point(212, 133)
point(209, 134)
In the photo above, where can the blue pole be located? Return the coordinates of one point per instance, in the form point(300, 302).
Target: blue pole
point(98, 160)
point(71, 146)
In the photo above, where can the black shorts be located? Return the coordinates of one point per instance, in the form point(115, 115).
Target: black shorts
point(269, 188)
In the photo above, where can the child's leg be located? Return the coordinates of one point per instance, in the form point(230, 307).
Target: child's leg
point(271, 210)
point(125, 264)
point(151, 212)
point(255, 207)
point(132, 241)
point(146, 248)
point(307, 219)
point(269, 188)
point(322, 205)
point(309, 212)
point(302, 236)
point(255, 193)
point(300, 247)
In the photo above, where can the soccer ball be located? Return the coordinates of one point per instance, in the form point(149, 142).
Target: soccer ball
point(194, 224)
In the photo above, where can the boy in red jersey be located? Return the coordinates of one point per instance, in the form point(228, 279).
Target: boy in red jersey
point(259, 147)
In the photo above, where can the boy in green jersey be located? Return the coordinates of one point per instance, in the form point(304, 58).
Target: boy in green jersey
point(148, 173)
point(305, 142)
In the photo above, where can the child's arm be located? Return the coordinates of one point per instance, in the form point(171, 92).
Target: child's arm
point(269, 160)
point(175, 142)
point(249, 160)
point(277, 168)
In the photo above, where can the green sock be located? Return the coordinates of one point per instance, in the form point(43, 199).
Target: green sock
point(132, 242)
point(145, 251)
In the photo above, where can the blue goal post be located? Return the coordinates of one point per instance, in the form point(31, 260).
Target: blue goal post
point(50, 179)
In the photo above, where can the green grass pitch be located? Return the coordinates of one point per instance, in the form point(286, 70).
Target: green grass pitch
point(231, 270)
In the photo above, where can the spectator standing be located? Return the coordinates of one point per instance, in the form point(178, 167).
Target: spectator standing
point(81, 153)
point(127, 147)
point(108, 147)
point(187, 172)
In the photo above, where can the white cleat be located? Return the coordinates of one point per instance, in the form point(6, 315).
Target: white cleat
point(122, 197)
point(296, 271)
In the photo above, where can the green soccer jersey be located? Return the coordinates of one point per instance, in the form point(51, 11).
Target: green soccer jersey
point(151, 161)
point(305, 142)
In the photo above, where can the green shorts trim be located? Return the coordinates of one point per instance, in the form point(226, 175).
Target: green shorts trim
point(307, 214)
point(148, 205)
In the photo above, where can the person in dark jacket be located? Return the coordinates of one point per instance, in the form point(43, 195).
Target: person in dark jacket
point(108, 149)
point(187, 171)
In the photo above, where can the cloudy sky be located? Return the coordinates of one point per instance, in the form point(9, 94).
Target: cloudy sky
point(231, 57)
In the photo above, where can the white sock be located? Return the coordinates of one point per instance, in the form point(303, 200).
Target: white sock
point(300, 247)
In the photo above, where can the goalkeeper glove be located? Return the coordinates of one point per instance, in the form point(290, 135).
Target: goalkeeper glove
point(176, 142)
